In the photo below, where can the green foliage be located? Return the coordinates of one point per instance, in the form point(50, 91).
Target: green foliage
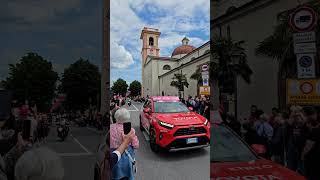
point(231, 61)
point(120, 87)
point(197, 76)
point(81, 84)
point(135, 88)
point(32, 79)
point(179, 81)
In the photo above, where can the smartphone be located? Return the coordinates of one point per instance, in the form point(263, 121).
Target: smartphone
point(26, 129)
point(126, 127)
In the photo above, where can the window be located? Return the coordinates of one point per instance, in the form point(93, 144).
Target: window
point(166, 67)
point(151, 41)
point(192, 58)
point(207, 51)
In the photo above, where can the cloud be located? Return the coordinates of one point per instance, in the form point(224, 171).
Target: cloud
point(175, 19)
point(32, 11)
point(120, 57)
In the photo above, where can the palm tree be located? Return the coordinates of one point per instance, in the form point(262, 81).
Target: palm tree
point(228, 61)
point(198, 77)
point(279, 47)
point(179, 81)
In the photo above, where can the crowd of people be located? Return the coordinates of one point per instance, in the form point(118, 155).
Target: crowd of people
point(199, 104)
point(290, 138)
point(23, 157)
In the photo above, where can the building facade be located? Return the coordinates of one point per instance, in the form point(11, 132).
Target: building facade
point(252, 21)
point(157, 72)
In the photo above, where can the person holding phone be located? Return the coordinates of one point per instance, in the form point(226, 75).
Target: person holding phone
point(125, 167)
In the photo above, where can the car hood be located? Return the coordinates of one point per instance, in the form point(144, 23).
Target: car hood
point(187, 118)
point(260, 169)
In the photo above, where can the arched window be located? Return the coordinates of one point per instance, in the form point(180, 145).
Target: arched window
point(151, 41)
point(207, 51)
point(192, 58)
point(166, 67)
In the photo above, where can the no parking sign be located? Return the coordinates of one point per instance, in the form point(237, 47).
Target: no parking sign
point(306, 66)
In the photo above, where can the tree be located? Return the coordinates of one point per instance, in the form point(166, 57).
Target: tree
point(32, 79)
point(279, 46)
point(197, 76)
point(179, 81)
point(120, 87)
point(81, 84)
point(231, 61)
point(135, 88)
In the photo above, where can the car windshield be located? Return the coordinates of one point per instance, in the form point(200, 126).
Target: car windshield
point(169, 107)
point(227, 147)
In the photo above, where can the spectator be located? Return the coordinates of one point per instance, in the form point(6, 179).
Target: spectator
point(8, 134)
point(202, 106)
point(265, 132)
point(124, 168)
point(14, 154)
point(275, 113)
point(278, 141)
point(296, 138)
point(311, 151)
point(39, 164)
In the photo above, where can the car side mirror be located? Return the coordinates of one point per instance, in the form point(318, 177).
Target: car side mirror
point(190, 108)
point(147, 110)
point(259, 149)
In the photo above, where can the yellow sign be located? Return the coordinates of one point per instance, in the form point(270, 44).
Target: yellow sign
point(205, 90)
point(303, 92)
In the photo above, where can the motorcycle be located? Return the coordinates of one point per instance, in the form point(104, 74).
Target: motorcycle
point(62, 130)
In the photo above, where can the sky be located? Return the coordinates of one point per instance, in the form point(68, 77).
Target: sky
point(175, 19)
point(61, 31)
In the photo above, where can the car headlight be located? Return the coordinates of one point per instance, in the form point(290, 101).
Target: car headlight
point(206, 122)
point(166, 125)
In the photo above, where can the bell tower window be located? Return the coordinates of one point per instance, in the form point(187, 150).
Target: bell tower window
point(151, 41)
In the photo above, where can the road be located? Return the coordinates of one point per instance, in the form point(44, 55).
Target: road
point(77, 151)
point(78, 154)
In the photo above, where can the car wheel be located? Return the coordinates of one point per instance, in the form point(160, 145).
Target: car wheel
point(141, 127)
point(153, 145)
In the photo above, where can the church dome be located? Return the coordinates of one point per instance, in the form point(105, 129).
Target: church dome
point(184, 48)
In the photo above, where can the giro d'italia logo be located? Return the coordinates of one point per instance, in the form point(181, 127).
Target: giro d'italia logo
point(305, 61)
point(306, 88)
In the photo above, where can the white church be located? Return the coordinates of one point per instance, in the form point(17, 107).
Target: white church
point(157, 71)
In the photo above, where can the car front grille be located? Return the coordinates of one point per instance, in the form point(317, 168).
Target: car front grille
point(180, 143)
point(190, 131)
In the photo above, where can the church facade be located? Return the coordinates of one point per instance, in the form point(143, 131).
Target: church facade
point(158, 72)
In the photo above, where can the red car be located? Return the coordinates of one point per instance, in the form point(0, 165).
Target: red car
point(172, 126)
point(231, 158)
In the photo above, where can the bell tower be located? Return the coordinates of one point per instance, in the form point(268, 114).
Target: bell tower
point(149, 37)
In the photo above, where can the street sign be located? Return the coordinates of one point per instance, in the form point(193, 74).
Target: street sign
point(303, 19)
point(205, 67)
point(301, 48)
point(204, 90)
point(205, 80)
point(303, 92)
point(306, 65)
point(304, 37)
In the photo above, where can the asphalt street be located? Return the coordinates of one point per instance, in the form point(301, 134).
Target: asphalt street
point(78, 154)
point(77, 151)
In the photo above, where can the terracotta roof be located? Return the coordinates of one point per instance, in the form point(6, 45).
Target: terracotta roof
point(184, 49)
